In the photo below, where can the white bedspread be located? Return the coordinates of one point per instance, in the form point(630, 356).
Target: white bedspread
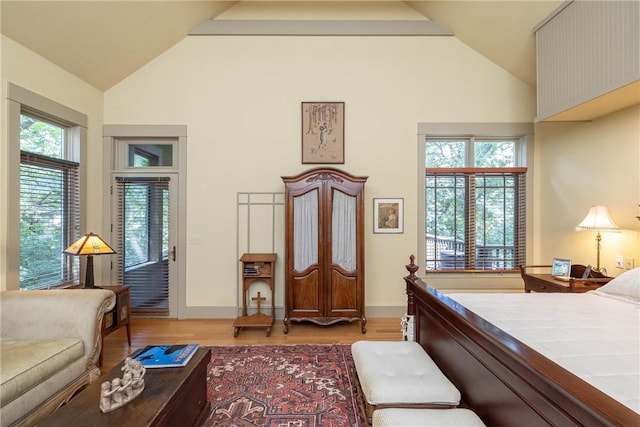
point(595, 337)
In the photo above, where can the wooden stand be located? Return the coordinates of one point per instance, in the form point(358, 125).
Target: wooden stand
point(256, 267)
point(117, 317)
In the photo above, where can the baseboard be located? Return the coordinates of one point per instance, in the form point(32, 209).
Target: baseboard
point(195, 312)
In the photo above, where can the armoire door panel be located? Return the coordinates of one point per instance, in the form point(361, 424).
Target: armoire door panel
point(343, 293)
point(306, 238)
point(305, 293)
point(343, 230)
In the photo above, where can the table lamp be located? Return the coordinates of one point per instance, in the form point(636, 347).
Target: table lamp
point(597, 220)
point(89, 245)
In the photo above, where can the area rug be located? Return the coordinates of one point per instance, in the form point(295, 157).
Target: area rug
point(283, 386)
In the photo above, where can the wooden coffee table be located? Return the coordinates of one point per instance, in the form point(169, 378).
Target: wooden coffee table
point(171, 397)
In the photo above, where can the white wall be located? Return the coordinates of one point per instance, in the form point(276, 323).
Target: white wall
point(24, 68)
point(583, 164)
point(240, 99)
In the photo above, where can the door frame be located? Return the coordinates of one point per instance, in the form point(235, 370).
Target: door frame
point(111, 135)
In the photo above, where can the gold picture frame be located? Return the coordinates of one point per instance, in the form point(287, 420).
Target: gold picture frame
point(323, 132)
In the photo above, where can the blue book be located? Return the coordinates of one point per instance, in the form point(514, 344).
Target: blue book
point(165, 356)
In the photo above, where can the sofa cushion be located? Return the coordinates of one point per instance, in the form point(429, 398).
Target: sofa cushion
point(26, 363)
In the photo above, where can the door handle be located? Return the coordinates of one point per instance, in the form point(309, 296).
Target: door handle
point(173, 254)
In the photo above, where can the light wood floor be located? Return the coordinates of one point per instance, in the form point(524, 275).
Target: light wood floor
point(209, 332)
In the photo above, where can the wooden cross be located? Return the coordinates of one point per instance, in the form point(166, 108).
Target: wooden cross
point(258, 300)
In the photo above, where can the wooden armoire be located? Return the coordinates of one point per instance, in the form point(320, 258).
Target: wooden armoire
point(324, 256)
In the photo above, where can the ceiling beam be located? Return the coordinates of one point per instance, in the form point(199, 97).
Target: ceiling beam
point(240, 27)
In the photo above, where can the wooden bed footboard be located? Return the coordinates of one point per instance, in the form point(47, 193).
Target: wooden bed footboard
point(501, 379)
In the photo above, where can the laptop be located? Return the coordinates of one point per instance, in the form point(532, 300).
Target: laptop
point(561, 267)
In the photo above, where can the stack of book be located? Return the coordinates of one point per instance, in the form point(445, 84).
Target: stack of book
point(251, 271)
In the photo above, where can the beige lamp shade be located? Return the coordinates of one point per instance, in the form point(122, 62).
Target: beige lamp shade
point(598, 219)
point(90, 244)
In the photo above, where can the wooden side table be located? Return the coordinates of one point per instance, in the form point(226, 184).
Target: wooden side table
point(545, 282)
point(256, 267)
point(117, 317)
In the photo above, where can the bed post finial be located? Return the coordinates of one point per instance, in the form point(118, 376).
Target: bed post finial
point(411, 280)
point(412, 267)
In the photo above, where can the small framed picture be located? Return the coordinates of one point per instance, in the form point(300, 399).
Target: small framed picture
point(388, 215)
point(561, 267)
point(323, 132)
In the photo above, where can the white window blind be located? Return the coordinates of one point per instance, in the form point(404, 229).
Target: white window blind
point(142, 242)
point(49, 220)
point(476, 219)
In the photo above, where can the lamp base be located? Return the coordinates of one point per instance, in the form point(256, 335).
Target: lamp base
point(88, 282)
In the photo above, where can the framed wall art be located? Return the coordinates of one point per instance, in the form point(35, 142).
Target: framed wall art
point(388, 215)
point(323, 132)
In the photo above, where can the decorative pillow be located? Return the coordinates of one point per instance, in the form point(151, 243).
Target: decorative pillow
point(627, 284)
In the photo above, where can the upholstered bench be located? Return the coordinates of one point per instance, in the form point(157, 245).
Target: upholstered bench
point(398, 417)
point(400, 374)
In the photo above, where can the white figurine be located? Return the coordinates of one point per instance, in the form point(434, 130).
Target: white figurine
point(126, 385)
point(119, 392)
point(105, 399)
point(116, 392)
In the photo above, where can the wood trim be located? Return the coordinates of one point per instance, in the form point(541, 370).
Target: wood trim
point(48, 107)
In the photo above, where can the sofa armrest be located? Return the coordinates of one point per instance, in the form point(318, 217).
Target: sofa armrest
point(52, 314)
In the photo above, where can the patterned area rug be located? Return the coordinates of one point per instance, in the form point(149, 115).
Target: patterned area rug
point(283, 386)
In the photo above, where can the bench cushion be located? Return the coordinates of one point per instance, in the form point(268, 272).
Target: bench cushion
point(401, 372)
point(27, 363)
point(397, 417)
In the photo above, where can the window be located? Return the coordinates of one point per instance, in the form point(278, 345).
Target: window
point(475, 203)
point(143, 206)
point(45, 207)
point(142, 241)
point(150, 155)
point(49, 208)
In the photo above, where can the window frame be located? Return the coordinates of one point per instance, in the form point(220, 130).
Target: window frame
point(479, 131)
point(22, 101)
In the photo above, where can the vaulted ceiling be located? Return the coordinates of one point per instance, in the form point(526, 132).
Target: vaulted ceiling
point(102, 42)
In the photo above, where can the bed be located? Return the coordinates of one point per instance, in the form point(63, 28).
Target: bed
point(510, 383)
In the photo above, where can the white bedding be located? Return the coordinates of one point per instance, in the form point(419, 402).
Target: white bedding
point(594, 335)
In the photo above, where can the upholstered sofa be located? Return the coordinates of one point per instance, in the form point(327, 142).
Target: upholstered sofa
point(49, 348)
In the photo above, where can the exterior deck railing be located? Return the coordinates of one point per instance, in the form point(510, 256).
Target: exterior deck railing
point(449, 254)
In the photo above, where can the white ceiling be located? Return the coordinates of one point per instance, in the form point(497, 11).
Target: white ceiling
point(102, 42)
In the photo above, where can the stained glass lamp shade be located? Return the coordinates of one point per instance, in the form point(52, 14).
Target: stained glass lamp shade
point(89, 245)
